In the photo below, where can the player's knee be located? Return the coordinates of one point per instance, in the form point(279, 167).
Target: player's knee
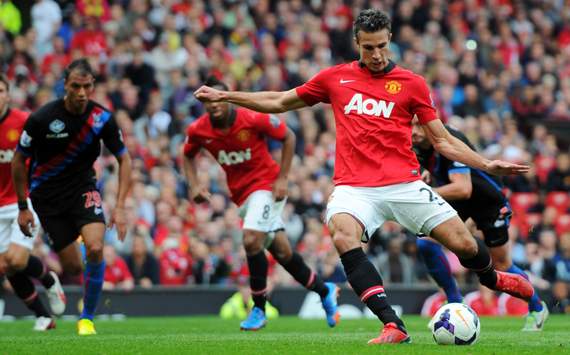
point(16, 262)
point(94, 252)
point(252, 243)
point(282, 255)
point(467, 248)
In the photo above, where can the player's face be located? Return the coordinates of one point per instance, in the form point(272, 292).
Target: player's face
point(373, 48)
point(4, 97)
point(218, 111)
point(78, 89)
point(419, 137)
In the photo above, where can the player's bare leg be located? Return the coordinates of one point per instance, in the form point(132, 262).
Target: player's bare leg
point(364, 279)
point(295, 265)
point(253, 242)
point(474, 255)
point(92, 234)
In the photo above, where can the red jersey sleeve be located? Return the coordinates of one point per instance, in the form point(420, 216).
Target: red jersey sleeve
point(270, 125)
point(422, 103)
point(191, 146)
point(315, 90)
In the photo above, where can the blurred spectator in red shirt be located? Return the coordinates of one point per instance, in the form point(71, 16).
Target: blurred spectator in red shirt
point(117, 274)
point(91, 41)
point(56, 58)
point(175, 266)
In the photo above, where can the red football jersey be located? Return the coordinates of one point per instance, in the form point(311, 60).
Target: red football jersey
point(242, 152)
point(11, 127)
point(373, 114)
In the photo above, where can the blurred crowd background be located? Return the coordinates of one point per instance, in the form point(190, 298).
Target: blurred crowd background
point(499, 71)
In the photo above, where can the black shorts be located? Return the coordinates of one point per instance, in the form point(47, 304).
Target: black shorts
point(492, 220)
point(62, 219)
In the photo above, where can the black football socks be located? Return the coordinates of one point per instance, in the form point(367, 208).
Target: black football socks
point(26, 291)
point(482, 265)
point(367, 283)
point(37, 270)
point(304, 275)
point(258, 266)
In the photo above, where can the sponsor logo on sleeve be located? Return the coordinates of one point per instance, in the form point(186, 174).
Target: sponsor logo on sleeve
point(274, 121)
point(25, 140)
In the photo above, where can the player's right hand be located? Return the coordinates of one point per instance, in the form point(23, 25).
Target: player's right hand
point(26, 222)
point(208, 94)
point(200, 195)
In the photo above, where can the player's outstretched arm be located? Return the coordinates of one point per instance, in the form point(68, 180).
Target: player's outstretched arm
point(281, 184)
point(455, 149)
point(263, 101)
point(20, 178)
point(197, 192)
point(118, 217)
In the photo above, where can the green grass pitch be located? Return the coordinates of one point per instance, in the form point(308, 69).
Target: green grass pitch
point(286, 335)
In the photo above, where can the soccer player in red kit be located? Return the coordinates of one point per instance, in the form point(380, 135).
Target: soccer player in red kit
point(377, 176)
point(15, 258)
point(236, 137)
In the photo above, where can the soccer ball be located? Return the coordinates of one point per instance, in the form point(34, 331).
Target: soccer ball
point(455, 323)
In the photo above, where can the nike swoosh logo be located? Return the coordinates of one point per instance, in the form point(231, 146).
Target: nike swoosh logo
point(208, 141)
point(342, 81)
point(98, 210)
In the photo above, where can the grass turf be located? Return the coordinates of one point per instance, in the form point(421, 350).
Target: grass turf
point(286, 335)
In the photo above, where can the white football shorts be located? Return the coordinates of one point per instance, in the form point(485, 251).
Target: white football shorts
point(10, 230)
point(413, 205)
point(260, 212)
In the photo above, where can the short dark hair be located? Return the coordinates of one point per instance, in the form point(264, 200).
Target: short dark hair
point(212, 81)
point(82, 65)
point(4, 79)
point(371, 20)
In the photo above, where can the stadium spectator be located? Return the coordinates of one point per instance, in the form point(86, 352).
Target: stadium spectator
point(394, 265)
point(142, 263)
point(117, 274)
point(559, 178)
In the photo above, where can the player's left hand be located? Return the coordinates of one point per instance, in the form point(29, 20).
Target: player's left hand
point(119, 219)
point(280, 188)
point(500, 167)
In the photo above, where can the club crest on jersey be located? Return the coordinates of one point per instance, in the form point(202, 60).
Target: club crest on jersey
point(243, 135)
point(393, 87)
point(56, 126)
point(12, 135)
point(369, 107)
point(97, 120)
